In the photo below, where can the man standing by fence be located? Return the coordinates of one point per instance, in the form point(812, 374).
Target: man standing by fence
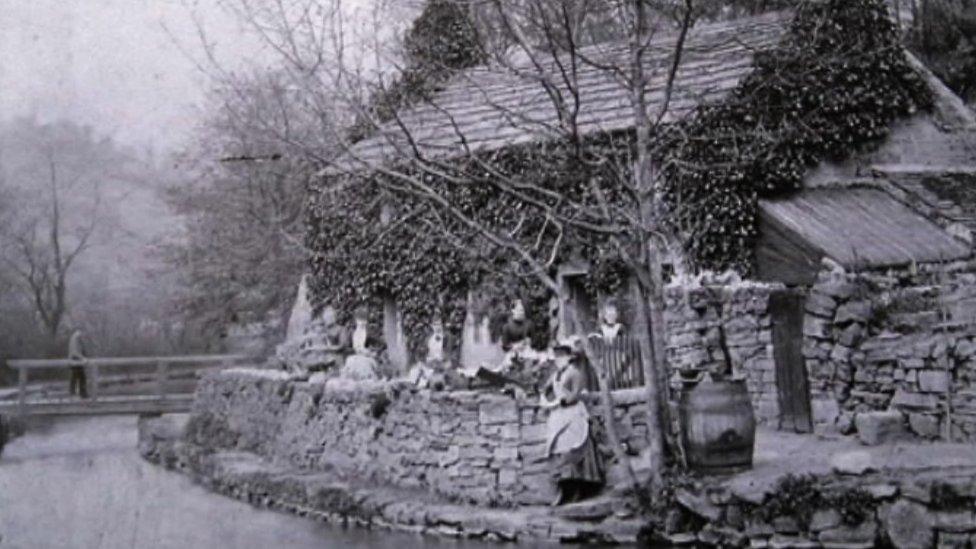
point(76, 352)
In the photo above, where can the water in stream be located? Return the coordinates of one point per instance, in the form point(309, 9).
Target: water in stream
point(79, 483)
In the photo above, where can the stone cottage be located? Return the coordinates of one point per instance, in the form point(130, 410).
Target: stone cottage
point(864, 294)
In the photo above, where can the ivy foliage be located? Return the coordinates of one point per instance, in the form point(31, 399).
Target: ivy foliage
point(832, 87)
point(800, 496)
point(372, 241)
point(441, 41)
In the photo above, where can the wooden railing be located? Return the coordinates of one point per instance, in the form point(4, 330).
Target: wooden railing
point(622, 359)
point(156, 370)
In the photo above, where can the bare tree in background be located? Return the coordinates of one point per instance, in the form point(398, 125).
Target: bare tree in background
point(56, 208)
point(241, 252)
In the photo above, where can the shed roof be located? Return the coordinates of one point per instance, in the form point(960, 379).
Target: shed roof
point(490, 108)
point(859, 227)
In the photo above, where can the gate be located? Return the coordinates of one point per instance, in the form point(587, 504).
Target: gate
point(792, 386)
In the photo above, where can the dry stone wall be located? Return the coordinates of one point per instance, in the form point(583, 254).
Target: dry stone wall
point(896, 341)
point(693, 316)
point(477, 447)
point(900, 341)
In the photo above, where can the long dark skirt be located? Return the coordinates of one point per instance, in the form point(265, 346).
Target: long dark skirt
point(581, 466)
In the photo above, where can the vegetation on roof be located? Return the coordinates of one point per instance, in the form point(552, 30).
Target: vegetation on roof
point(441, 41)
point(831, 88)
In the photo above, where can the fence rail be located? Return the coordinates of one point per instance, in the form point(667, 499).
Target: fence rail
point(159, 371)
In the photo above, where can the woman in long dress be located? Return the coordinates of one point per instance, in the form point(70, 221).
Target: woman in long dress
point(578, 468)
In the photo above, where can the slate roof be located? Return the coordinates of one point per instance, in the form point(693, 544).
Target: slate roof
point(495, 107)
point(862, 227)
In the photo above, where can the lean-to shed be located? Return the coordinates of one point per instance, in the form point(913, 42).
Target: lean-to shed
point(858, 227)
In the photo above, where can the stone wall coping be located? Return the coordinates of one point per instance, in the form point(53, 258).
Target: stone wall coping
point(262, 373)
point(365, 389)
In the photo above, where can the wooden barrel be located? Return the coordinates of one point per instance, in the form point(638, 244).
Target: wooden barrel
point(718, 426)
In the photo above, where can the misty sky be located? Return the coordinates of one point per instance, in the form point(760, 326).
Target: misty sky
point(111, 63)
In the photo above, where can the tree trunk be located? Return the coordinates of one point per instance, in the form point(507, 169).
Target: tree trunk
point(642, 330)
point(650, 332)
point(606, 402)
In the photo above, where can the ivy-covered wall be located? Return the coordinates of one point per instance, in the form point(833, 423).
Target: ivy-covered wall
point(833, 86)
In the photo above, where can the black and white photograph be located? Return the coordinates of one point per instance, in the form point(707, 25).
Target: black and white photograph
point(466, 274)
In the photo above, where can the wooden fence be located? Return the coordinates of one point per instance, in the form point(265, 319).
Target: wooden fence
point(622, 359)
point(140, 384)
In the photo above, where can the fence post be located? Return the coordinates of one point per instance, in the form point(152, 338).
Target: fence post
point(22, 391)
point(161, 374)
point(93, 382)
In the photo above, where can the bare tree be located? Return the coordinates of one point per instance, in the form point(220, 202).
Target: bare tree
point(55, 206)
point(242, 207)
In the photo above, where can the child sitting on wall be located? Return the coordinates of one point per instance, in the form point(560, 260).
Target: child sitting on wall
point(435, 371)
point(362, 363)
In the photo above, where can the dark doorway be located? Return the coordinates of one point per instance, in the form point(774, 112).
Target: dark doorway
point(786, 310)
point(583, 305)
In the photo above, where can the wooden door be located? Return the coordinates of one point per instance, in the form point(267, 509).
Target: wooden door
point(792, 386)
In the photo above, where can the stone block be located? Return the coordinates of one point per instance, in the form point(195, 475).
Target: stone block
point(473, 452)
point(506, 454)
point(687, 339)
point(952, 540)
point(821, 305)
point(816, 327)
point(786, 525)
point(876, 401)
point(965, 348)
point(839, 289)
point(450, 457)
point(699, 505)
point(857, 462)
point(955, 521)
point(533, 433)
point(848, 537)
point(880, 351)
point(882, 490)
point(824, 519)
point(924, 425)
point(780, 541)
point(909, 525)
point(498, 411)
point(851, 335)
point(875, 428)
point(589, 510)
point(913, 363)
point(840, 353)
point(933, 381)
point(853, 311)
point(507, 477)
point(906, 400)
point(825, 410)
point(759, 529)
